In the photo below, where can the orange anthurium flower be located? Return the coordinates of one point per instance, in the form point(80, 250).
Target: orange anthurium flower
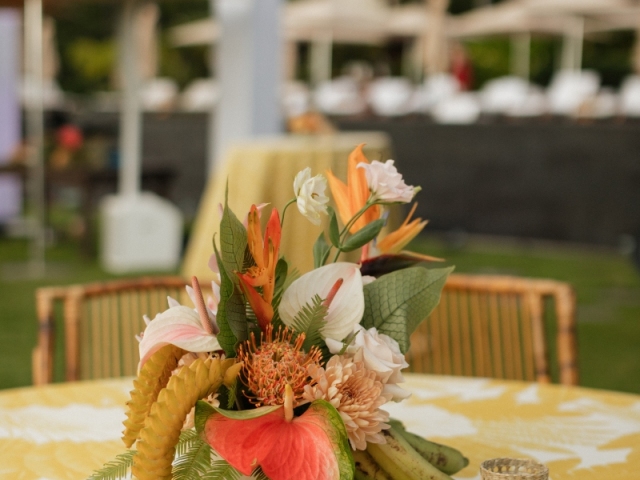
point(350, 198)
point(263, 273)
point(396, 241)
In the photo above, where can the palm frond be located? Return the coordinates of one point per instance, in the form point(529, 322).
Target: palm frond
point(221, 470)
point(231, 396)
point(115, 469)
point(258, 474)
point(310, 321)
point(193, 459)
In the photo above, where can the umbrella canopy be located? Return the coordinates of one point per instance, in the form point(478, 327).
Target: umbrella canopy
point(345, 21)
point(504, 19)
point(574, 7)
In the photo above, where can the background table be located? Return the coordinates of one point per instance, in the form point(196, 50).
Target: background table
point(262, 171)
point(65, 431)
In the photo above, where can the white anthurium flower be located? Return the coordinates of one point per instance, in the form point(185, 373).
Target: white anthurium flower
point(386, 184)
point(179, 326)
point(380, 353)
point(310, 195)
point(346, 307)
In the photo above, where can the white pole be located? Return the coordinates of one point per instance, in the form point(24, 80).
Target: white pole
point(321, 59)
point(35, 130)
point(249, 72)
point(521, 55)
point(130, 116)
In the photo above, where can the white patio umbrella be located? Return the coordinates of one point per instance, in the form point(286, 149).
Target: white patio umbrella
point(509, 18)
point(580, 11)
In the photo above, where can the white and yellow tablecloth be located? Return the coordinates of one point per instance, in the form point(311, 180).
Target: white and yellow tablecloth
point(65, 431)
point(262, 171)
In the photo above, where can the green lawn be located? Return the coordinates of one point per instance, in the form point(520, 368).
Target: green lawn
point(607, 286)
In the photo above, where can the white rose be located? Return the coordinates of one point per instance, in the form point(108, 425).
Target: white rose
point(310, 195)
point(386, 184)
point(380, 353)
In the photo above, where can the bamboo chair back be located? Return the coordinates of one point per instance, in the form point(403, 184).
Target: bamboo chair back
point(494, 326)
point(100, 323)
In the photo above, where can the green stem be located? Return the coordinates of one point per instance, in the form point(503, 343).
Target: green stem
point(284, 210)
point(355, 218)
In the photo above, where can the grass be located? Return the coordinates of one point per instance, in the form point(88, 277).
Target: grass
point(607, 286)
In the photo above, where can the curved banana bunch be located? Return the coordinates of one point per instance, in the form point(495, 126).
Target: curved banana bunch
point(398, 458)
point(444, 458)
point(367, 468)
point(152, 378)
point(159, 436)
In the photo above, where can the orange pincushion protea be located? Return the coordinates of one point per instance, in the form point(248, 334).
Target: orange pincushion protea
point(274, 364)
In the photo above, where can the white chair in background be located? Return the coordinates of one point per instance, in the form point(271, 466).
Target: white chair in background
point(462, 108)
point(605, 104)
point(570, 89)
point(340, 96)
point(201, 95)
point(158, 94)
point(296, 98)
point(533, 105)
point(436, 88)
point(391, 96)
point(630, 96)
point(503, 94)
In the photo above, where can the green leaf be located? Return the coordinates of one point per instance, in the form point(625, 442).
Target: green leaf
point(233, 241)
point(221, 470)
point(193, 459)
point(258, 474)
point(246, 414)
point(284, 278)
point(310, 321)
point(396, 303)
point(363, 236)
point(231, 317)
point(203, 411)
point(115, 469)
point(334, 230)
point(321, 251)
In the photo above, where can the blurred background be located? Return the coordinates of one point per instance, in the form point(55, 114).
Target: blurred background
point(520, 119)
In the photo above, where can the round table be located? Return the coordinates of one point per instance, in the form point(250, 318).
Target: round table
point(65, 431)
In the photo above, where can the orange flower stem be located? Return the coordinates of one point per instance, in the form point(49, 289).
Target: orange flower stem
point(284, 210)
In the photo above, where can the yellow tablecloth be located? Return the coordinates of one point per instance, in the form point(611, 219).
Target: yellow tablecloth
point(65, 431)
point(262, 171)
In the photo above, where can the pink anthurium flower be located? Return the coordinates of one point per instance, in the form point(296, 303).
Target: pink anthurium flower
point(191, 330)
point(313, 446)
point(346, 305)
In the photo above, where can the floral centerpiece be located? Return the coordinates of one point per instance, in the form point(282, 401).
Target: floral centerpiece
point(285, 376)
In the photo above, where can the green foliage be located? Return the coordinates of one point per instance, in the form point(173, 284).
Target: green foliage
point(193, 459)
point(115, 469)
point(334, 230)
point(396, 303)
point(321, 251)
point(231, 317)
point(233, 241)
point(284, 278)
point(259, 474)
point(92, 59)
point(310, 321)
point(363, 236)
point(221, 470)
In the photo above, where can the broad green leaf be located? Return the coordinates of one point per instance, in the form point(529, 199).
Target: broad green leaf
point(320, 251)
point(233, 241)
point(203, 411)
point(396, 303)
point(231, 317)
point(334, 230)
point(363, 236)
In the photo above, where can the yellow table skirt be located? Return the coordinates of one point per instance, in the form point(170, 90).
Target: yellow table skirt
point(262, 171)
point(65, 431)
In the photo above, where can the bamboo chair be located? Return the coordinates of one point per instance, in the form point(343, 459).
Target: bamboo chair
point(494, 326)
point(100, 323)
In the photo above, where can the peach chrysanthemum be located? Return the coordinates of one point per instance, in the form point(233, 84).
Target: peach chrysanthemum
point(357, 395)
point(277, 362)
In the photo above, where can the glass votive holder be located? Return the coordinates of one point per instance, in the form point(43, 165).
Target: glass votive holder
point(513, 469)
